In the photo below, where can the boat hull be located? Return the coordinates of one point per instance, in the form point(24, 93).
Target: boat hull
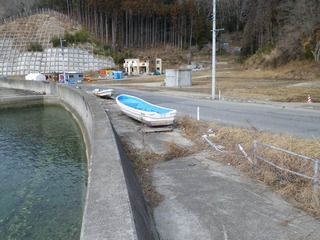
point(145, 112)
point(108, 93)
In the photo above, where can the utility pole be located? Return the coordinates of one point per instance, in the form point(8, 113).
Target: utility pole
point(63, 69)
point(214, 34)
point(213, 89)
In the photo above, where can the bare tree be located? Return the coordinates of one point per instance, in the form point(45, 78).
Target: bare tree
point(13, 7)
point(298, 21)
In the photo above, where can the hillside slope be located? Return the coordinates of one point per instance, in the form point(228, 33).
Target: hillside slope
point(16, 36)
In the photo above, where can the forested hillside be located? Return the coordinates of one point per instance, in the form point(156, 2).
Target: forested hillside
point(284, 29)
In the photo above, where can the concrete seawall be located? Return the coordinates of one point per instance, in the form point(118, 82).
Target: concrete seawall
point(115, 207)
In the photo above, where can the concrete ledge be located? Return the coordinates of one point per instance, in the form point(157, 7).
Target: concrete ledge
point(21, 101)
point(115, 207)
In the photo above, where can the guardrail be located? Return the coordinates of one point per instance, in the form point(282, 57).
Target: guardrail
point(314, 178)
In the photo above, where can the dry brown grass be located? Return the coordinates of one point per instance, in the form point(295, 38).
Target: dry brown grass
point(143, 163)
point(297, 190)
point(173, 150)
point(291, 83)
point(256, 84)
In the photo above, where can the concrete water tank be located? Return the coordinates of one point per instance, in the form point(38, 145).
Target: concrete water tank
point(178, 77)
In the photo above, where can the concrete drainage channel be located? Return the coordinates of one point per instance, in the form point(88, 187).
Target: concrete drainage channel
point(115, 206)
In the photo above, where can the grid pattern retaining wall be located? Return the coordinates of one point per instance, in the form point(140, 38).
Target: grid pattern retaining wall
point(18, 32)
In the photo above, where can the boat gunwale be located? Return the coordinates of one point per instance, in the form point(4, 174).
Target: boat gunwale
point(148, 117)
point(169, 113)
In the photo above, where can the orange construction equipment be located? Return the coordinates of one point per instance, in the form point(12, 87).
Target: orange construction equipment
point(88, 79)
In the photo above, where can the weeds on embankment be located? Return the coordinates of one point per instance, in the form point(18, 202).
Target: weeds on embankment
point(295, 189)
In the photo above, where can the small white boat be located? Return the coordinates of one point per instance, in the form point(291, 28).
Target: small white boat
point(145, 112)
point(107, 93)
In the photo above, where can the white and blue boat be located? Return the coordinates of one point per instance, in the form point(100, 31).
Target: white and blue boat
point(145, 112)
point(106, 93)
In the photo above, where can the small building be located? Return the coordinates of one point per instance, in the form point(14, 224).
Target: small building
point(131, 66)
point(52, 76)
point(71, 77)
point(74, 77)
point(178, 78)
point(137, 66)
point(156, 66)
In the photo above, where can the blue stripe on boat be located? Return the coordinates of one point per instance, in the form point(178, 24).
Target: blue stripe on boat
point(141, 105)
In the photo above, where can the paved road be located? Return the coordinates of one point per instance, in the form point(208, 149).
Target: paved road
point(208, 200)
point(205, 199)
point(289, 118)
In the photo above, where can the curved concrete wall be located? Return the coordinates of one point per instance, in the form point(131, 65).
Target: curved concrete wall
point(115, 207)
point(39, 87)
